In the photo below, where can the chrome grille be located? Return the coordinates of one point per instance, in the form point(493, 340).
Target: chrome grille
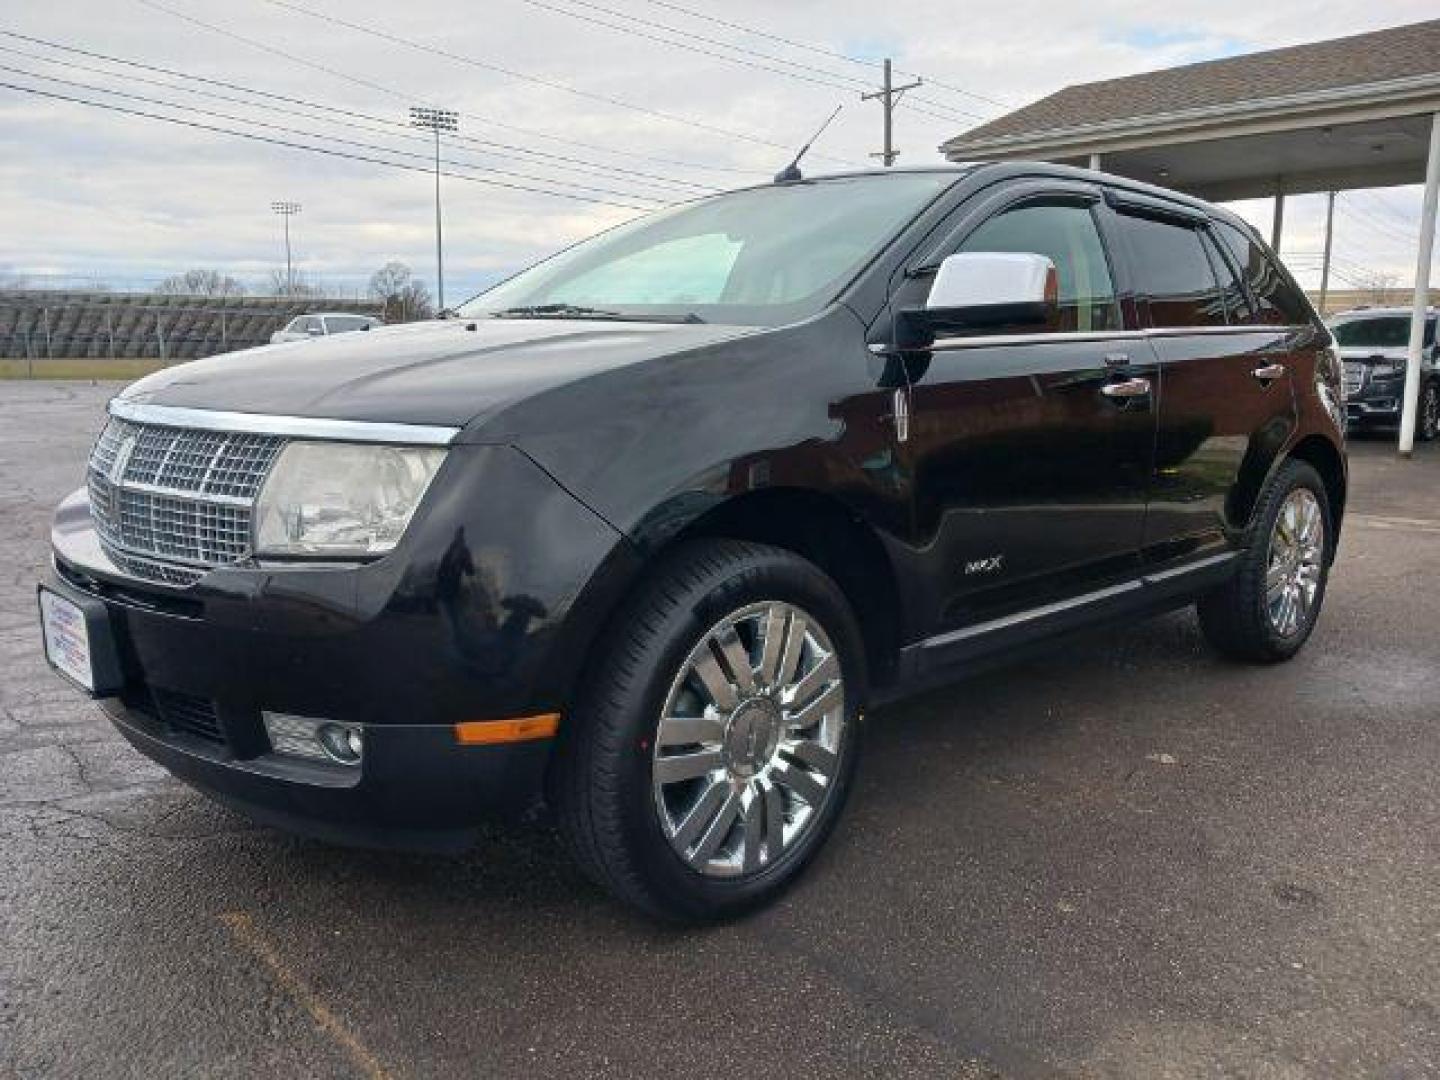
point(169, 502)
point(1354, 377)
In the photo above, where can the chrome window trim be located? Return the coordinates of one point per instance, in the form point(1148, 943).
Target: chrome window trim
point(1040, 337)
point(300, 427)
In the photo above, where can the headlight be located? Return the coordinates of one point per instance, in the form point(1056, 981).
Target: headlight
point(1387, 371)
point(341, 499)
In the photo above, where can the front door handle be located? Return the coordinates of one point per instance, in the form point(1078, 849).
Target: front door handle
point(1269, 373)
point(1126, 389)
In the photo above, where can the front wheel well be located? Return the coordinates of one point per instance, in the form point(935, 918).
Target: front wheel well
point(823, 531)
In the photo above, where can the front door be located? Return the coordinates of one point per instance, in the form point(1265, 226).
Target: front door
point(1031, 449)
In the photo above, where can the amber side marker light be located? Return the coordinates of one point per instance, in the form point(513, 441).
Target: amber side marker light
point(522, 729)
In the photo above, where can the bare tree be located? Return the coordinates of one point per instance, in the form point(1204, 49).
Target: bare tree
point(294, 285)
point(405, 297)
point(1376, 285)
point(200, 282)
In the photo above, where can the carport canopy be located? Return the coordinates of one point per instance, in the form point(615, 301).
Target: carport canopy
point(1355, 112)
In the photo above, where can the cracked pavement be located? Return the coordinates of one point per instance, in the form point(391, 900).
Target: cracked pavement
point(1126, 859)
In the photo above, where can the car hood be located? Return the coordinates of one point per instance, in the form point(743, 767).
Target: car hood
point(447, 373)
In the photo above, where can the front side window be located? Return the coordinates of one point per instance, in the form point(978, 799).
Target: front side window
point(1172, 269)
point(763, 257)
point(1066, 234)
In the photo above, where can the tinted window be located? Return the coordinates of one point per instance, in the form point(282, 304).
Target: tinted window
point(1385, 332)
point(1277, 300)
point(337, 324)
point(1232, 293)
point(1171, 268)
point(1065, 233)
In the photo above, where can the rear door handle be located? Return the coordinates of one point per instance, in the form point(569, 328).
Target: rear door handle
point(1269, 373)
point(1126, 389)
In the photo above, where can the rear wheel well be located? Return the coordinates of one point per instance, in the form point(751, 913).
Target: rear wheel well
point(823, 531)
point(1325, 459)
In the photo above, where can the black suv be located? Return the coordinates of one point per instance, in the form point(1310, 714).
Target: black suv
point(1374, 349)
point(640, 533)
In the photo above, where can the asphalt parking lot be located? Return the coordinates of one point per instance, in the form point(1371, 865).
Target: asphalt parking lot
point(1128, 859)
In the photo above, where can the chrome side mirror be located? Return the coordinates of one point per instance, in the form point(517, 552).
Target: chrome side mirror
point(974, 290)
point(979, 282)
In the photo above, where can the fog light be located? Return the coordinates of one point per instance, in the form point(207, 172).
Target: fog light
point(318, 740)
point(342, 742)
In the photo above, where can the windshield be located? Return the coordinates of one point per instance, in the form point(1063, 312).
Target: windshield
point(762, 257)
point(1388, 332)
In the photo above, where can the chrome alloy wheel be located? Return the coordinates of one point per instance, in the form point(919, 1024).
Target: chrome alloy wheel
point(1297, 548)
point(748, 746)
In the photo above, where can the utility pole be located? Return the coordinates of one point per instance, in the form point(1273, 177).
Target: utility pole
point(889, 96)
point(436, 120)
point(286, 210)
point(1325, 262)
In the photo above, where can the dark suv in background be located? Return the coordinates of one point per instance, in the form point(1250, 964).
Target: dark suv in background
point(1374, 348)
point(645, 529)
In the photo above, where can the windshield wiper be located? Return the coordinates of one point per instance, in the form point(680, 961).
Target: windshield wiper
point(556, 311)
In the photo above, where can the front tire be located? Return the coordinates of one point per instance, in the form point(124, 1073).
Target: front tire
point(714, 742)
point(1265, 613)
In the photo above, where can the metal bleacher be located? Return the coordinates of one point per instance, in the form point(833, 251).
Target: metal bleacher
point(48, 325)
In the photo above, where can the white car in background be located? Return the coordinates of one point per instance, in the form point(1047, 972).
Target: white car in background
point(322, 324)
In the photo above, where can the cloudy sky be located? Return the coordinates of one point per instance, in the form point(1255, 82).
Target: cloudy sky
point(592, 102)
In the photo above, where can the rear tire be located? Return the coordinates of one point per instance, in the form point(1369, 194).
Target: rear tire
point(1427, 425)
point(1266, 612)
point(715, 738)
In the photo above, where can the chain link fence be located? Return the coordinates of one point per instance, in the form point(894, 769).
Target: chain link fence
point(41, 327)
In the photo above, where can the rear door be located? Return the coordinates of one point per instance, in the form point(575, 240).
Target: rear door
point(1030, 470)
point(1227, 395)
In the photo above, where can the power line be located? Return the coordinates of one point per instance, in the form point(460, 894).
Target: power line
point(539, 80)
point(632, 26)
point(820, 50)
point(1390, 212)
point(398, 94)
point(1375, 224)
point(180, 122)
point(401, 130)
point(215, 114)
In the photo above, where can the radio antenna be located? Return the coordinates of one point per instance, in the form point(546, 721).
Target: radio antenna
point(791, 172)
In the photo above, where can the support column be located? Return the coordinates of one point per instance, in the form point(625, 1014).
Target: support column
point(1277, 225)
point(1095, 162)
point(1422, 291)
point(1325, 263)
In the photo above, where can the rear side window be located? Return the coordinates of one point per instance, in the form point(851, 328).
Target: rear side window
point(1172, 269)
point(1066, 234)
point(1232, 293)
point(1277, 301)
point(338, 324)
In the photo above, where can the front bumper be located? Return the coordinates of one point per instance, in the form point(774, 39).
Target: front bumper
point(473, 618)
point(181, 705)
point(1379, 410)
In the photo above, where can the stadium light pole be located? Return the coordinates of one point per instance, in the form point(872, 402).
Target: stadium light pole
point(436, 120)
point(286, 210)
